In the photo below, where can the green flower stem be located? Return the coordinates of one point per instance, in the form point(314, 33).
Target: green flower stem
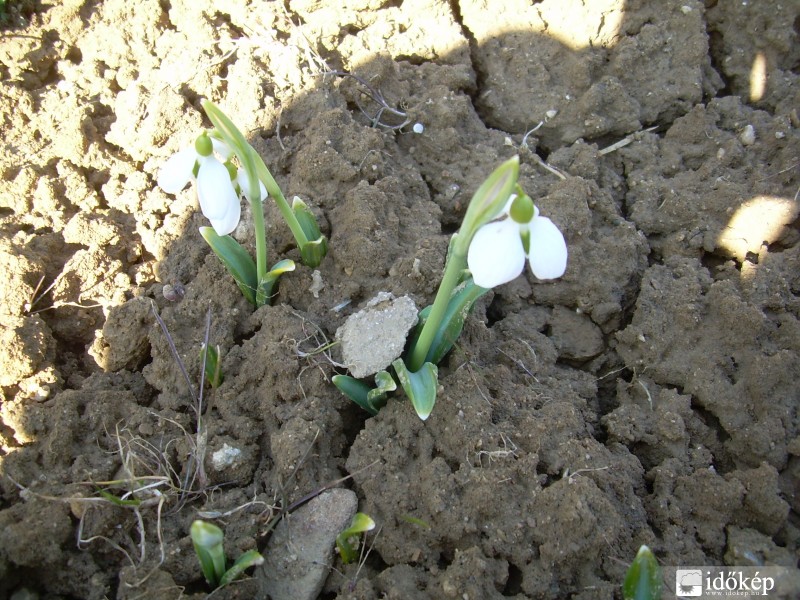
point(274, 190)
point(237, 142)
point(260, 228)
point(456, 263)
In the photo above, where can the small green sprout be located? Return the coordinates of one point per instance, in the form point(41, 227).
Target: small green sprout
point(368, 398)
point(415, 521)
point(643, 580)
point(346, 542)
point(209, 357)
point(207, 541)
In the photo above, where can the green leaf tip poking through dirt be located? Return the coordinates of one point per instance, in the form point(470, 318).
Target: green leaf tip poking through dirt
point(643, 579)
point(347, 550)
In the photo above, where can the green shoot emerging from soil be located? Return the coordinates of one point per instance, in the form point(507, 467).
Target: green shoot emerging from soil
point(501, 231)
point(347, 540)
point(207, 541)
point(219, 186)
point(643, 579)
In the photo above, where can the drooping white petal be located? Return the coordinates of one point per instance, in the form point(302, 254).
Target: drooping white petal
point(244, 184)
point(548, 250)
point(214, 189)
point(228, 223)
point(495, 254)
point(177, 171)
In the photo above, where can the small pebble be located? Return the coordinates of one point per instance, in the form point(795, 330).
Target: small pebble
point(418, 128)
point(747, 136)
point(173, 293)
point(225, 457)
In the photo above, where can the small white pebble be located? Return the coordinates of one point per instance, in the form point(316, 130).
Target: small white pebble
point(747, 136)
point(779, 135)
point(685, 9)
point(317, 285)
point(225, 457)
point(551, 113)
point(418, 128)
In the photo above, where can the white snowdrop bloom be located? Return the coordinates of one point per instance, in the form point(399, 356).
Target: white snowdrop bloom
point(218, 198)
point(219, 201)
point(499, 249)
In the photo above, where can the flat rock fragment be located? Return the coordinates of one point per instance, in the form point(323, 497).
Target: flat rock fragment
point(301, 548)
point(373, 337)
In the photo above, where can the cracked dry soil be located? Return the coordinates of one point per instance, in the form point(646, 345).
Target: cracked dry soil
point(648, 397)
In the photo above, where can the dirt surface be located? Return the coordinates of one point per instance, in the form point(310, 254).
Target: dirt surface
point(648, 397)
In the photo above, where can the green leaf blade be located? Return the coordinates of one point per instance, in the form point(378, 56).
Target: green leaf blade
point(236, 259)
point(266, 287)
point(461, 302)
point(643, 580)
point(251, 558)
point(419, 386)
point(356, 390)
point(361, 523)
point(207, 541)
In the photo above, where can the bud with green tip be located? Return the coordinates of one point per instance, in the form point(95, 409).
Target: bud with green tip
point(489, 200)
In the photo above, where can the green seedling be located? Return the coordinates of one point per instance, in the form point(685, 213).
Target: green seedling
point(207, 541)
point(643, 580)
point(209, 358)
point(347, 540)
point(368, 398)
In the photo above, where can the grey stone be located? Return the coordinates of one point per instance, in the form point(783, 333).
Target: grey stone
point(301, 547)
point(376, 335)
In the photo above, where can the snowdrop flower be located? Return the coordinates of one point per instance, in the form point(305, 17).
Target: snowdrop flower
point(215, 190)
point(498, 250)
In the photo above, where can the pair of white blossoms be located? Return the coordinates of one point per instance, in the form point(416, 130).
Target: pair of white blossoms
point(497, 253)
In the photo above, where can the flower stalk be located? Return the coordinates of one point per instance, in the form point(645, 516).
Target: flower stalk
point(257, 174)
point(231, 135)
